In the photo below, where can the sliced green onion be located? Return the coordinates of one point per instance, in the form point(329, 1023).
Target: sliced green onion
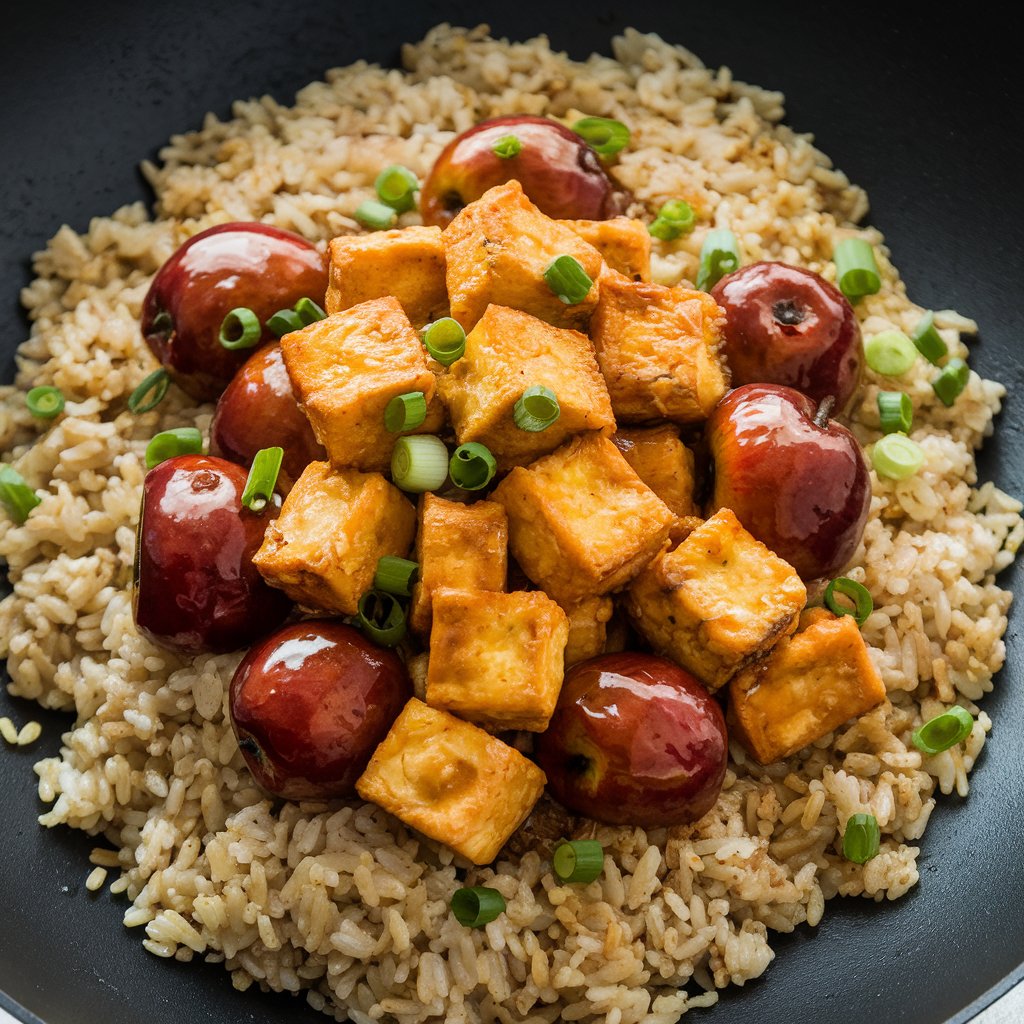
point(396, 187)
point(856, 270)
point(896, 457)
point(603, 134)
point(863, 606)
point(308, 311)
point(861, 838)
point(376, 215)
point(284, 321)
point(17, 497)
point(168, 443)
point(445, 340)
point(472, 466)
point(568, 280)
point(928, 340)
point(890, 353)
point(477, 906)
point(45, 402)
point(381, 617)
point(675, 218)
point(419, 463)
point(240, 329)
point(507, 147)
point(396, 575)
point(578, 860)
point(536, 409)
point(719, 255)
point(259, 487)
point(154, 386)
point(405, 412)
point(951, 381)
point(943, 731)
point(896, 412)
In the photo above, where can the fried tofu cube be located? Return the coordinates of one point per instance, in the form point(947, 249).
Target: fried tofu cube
point(407, 263)
point(663, 462)
point(346, 368)
point(496, 251)
point(581, 522)
point(507, 352)
point(457, 545)
point(624, 244)
point(811, 683)
point(334, 526)
point(717, 601)
point(658, 350)
point(452, 781)
point(588, 629)
point(497, 659)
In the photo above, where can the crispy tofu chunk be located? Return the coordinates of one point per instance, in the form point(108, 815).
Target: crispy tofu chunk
point(588, 629)
point(457, 546)
point(334, 526)
point(407, 263)
point(717, 601)
point(346, 368)
point(497, 659)
point(507, 352)
point(496, 251)
point(452, 781)
point(663, 462)
point(808, 685)
point(624, 244)
point(658, 350)
point(581, 522)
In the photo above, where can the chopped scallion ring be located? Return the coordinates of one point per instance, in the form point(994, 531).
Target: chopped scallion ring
point(168, 443)
point(856, 270)
point(719, 255)
point(896, 457)
point(477, 906)
point(895, 411)
point(861, 838)
point(578, 860)
point(17, 497)
point(675, 218)
point(150, 393)
point(45, 402)
point(536, 409)
point(396, 575)
point(259, 487)
point(928, 340)
point(376, 215)
point(419, 463)
point(284, 321)
point(863, 605)
point(381, 617)
point(308, 311)
point(397, 187)
point(507, 147)
point(240, 329)
point(943, 731)
point(568, 280)
point(405, 412)
point(472, 466)
point(890, 353)
point(951, 382)
point(445, 340)
point(604, 135)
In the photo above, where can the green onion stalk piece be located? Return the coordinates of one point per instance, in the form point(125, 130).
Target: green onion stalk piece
point(308, 311)
point(259, 486)
point(536, 409)
point(719, 255)
point(861, 838)
point(396, 575)
point(896, 457)
point(604, 135)
point(674, 219)
point(169, 443)
point(445, 340)
point(568, 280)
point(240, 329)
point(375, 215)
point(507, 147)
point(928, 340)
point(477, 906)
point(895, 412)
point(578, 860)
point(405, 412)
point(863, 605)
point(381, 617)
point(16, 496)
point(419, 463)
point(890, 353)
point(856, 270)
point(472, 466)
point(950, 383)
point(284, 321)
point(150, 393)
point(45, 402)
point(396, 187)
point(943, 731)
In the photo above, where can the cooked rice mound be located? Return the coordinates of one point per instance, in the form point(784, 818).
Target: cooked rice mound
point(345, 903)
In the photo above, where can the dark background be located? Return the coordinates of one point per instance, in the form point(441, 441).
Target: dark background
point(921, 111)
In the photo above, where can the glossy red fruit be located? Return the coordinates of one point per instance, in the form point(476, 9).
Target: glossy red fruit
point(238, 264)
point(560, 172)
point(310, 703)
point(786, 325)
point(799, 485)
point(635, 740)
point(196, 589)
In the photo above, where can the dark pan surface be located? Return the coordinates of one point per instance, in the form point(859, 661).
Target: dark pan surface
point(925, 115)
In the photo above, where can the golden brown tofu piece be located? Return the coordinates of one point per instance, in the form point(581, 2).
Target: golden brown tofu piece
point(663, 462)
point(507, 352)
point(334, 526)
point(811, 683)
point(624, 244)
point(407, 263)
point(457, 546)
point(588, 629)
point(497, 659)
point(581, 522)
point(452, 781)
point(658, 350)
point(717, 601)
point(496, 251)
point(346, 368)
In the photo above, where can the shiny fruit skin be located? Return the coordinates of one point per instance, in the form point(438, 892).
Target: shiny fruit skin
point(230, 265)
point(801, 489)
point(787, 325)
point(634, 740)
point(559, 172)
point(310, 703)
point(196, 590)
point(258, 410)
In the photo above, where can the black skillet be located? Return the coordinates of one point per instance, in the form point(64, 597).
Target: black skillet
point(922, 111)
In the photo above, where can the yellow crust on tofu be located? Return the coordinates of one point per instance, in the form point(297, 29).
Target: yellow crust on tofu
point(322, 550)
point(507, 352)
point(624, 244)
point(717, 601)
point(457, 546)
point(407, 263)
point(588, 629)
point(497, 659)
point(452, 781)
point(811, 683)
point(496, 251)
point(581, 522)
point(346, 368)
point(658, 350)
point(663, 462)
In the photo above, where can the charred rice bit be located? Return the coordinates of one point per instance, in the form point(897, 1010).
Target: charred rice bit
point(346, 902)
